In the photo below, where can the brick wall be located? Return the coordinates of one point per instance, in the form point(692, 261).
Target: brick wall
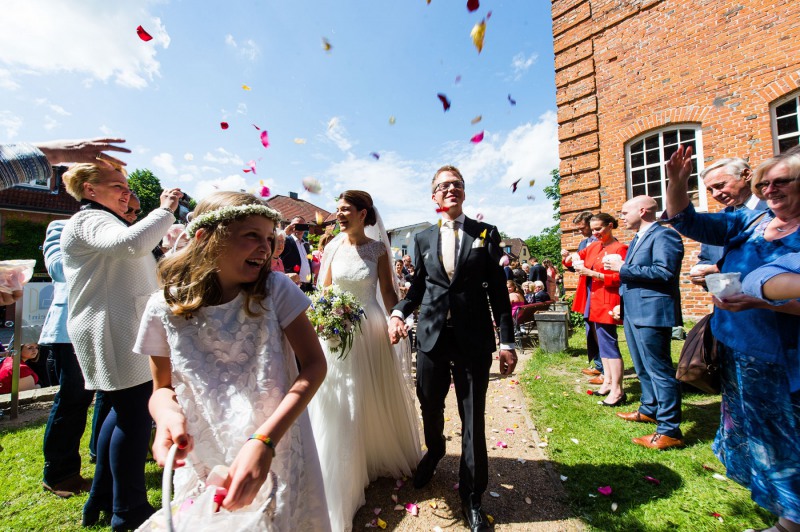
point(625, 67)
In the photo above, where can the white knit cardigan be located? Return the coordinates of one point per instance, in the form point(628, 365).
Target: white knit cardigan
point(110, 272)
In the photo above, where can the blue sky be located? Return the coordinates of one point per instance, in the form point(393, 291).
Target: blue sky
point(73, 69)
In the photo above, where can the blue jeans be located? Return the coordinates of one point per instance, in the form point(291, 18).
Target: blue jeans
point(661, 391)
point(67, 421)
point(122, 450)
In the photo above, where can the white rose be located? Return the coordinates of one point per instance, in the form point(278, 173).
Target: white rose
point(334, 342)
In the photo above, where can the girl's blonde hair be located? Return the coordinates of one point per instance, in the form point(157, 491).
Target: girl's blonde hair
point(189, 277)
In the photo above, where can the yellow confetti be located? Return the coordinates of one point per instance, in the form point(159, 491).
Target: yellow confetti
point(318, 218)
point(433, 504)
point(532, 182)
point(326, 45)
point(490, 518)
point(478, 33)
point(476, 120)
point(392, 120)
point(381, 523)
point(299, 141)
point(245, 87)
point(515, 426)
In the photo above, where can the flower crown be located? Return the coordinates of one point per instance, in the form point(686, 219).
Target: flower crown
point(230, 212)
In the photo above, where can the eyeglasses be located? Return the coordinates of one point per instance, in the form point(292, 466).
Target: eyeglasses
point(445, 186)
point(776, 183)
point(131, 211)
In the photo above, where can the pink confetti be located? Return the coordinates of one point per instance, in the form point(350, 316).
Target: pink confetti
point(375, 155)
point(441, 209)
point(395, 498)
point(265, 139)
point(479, 217)
point(514, 185)
point(589, 392)
point(376, 511)
point(252, 165)
point(477, 138)
point(143, 35)
point(224, 125)
point(445, 101)
point(538, 377)
point(652, 480)
point(455, 486)
point(511, 100)
point(399, 483)
point(399, 507)
point(264, 193)
point(258, 128)
point(509, 431)
point(504, 261)
point(502, 445)
point(458, 79)
point(473, 5)
point(412, 508)
point(488, 15)
point(604, 490)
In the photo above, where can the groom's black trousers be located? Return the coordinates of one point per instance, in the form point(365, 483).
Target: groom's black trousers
point(471, 378)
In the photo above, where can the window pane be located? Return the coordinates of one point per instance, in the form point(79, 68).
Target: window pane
point(670, 137)
point(788, 142)
point(787, 125)
point(654, 189)
point(654, 174)
point(786, 108)
point(651, 142)
point(693, 183)
point(638, 190)
point(637, 146)
point(637, 177)
point(653, 156)
point(687, 134)
point(637, 160)
point(660, 205)
point(669, 151)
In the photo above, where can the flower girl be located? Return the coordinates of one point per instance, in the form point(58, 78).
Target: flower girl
point(222, 338)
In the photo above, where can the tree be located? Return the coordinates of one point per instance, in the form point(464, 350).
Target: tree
point(147, 187)
point(553, 192)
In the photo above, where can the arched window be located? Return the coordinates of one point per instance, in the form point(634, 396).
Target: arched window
point(646, 155)
point(784, 114)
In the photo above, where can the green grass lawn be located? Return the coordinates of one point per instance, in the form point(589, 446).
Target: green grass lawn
point(688, 494)
point(24, 505)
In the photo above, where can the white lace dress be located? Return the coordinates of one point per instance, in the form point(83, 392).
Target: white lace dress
point(363, 416)
point(230, 372)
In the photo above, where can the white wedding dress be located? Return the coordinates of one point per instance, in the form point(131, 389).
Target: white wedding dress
point(363, 416)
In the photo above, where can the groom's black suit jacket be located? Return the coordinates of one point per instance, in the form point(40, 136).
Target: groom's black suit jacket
point(291, 256)
point(478, 281)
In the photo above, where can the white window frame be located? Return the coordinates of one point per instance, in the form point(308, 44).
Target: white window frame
point(773, 119)
point(701, 203)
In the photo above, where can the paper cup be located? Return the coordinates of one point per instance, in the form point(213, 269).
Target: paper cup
point(612, 257)
point(724, 284)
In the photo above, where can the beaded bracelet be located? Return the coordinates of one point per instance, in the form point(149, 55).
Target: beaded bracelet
point(266, 440)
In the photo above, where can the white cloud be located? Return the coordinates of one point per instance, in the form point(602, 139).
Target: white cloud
point(522, 64)
point(203, 188)
point(247, 49)
point(223, 156)
point(10, 123)
point(337, 134)
point(6, 83)
point(57, 109)
point(50, 123)
point(102, 42)
point(164, 164)
point(105, 130)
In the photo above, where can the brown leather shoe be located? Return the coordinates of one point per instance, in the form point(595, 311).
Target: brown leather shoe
point(596, 380)
point(636, 416)
point(590, 371)
point(72, 486)
point(658, 441)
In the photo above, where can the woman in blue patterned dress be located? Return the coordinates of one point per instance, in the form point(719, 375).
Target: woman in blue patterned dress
point(760, 421)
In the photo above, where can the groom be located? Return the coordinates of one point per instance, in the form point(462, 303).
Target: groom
point(457, 278)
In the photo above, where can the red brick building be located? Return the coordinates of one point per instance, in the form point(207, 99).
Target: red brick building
point(636, 77)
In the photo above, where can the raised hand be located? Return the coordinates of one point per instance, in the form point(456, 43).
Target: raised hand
point(83, 151)
point(679, 166)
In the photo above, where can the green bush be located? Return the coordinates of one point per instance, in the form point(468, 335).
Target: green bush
point(23, 240)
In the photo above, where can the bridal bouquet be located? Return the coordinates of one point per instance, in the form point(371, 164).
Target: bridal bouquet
point(335, 315)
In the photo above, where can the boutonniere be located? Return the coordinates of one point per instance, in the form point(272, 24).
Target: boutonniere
point(480, 241)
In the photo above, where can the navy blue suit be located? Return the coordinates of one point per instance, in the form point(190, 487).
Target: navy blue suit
point(651, 306)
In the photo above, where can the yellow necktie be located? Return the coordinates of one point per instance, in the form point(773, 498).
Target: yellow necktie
point(449, 236)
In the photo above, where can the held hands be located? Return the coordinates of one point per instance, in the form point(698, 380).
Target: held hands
point(397, 329)
point(171, 428)
point(508, 361)
point(247, 474)
point(170, 198)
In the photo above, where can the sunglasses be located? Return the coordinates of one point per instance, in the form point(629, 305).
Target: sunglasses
point(130, 210)
point(445, 186)
point(776, 183)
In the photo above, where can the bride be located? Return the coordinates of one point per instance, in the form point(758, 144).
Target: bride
point(363, 415)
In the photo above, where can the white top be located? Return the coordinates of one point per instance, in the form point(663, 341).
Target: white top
point(110, 272)
point(230, 372)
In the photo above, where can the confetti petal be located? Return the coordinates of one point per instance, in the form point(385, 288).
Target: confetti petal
point(473, 5)
point(477, 138)
point(589, 392)
point(478, 33)
point(412, 508)
point(511, 100)
point(381, 523)
point(296, 269)
point(490, 519)
point(224, 125)
point(375, 155)
point(399, 483)
point(719, 477)
point(376, 511)
point(514, 185)
point(399, 507)
point(143, 35)
point(504, 260)
point(542, 444)
point(455, 486)
point(563, 478)
point(652, 480)
point(318, 218)
point(392, 120)
point(445, 102)
point(433, 504)
point(252, 167)
point(265, 139)
point(312, 185)
point(257, 128)
point(509, 431)
point(604, 490)
point(574, 440)
point(479, 217)
point(476, 120)
point(614, 506)
point(531, 182)
point(395, 498)
point(441, 210)
point(502, 445)
point(299, 141)
point(245, 87)
point(264, 192)
point(458, 79)
point(528, 500)
point(494, 494)
point(326, 45)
